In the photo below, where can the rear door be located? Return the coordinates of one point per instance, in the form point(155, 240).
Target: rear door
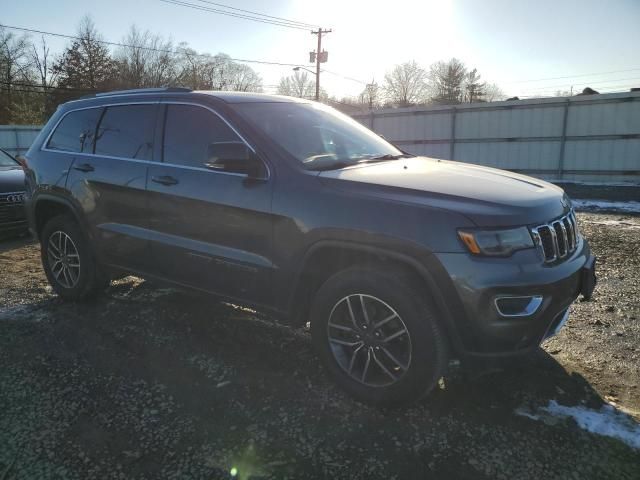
point(212, 225)
point(110, 182)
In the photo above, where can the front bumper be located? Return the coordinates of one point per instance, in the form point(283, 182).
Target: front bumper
point(477, 282)
point(13, 220)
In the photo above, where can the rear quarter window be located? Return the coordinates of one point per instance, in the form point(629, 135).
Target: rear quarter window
point(76, 132)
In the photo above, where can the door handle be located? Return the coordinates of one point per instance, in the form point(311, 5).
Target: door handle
point(84, 167)
point(164, 180)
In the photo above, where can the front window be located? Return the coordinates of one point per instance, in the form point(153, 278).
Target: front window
point(318, 136)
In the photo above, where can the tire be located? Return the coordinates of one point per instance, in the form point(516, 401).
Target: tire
point(418, 357)
point(83, 277)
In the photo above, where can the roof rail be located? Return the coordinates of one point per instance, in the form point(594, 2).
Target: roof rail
point(143, 90)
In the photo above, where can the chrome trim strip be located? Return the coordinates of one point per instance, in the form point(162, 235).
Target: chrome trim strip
point(565, 245)
point(531, 308)
point(12, 193)
point(111, 94)
point(554, 241)
point(44, 148)
point(570, 244)
point(565, 238)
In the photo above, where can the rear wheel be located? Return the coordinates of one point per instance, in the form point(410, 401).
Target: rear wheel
point(68, 260)
point(378, 336)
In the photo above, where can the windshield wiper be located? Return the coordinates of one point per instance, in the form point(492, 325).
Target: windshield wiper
point(388, 156)
point(329, 162)
point(383, 158)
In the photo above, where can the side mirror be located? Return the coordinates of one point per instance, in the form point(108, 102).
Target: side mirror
point(233, 157)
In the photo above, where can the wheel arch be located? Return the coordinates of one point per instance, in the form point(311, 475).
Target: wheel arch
point(325, 258)
point(48, 206)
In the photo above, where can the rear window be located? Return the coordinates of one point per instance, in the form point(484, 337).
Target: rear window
point(76, 131)
point(127, 131)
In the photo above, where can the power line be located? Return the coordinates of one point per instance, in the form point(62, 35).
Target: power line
point(345, 77)
point(117, 44)
point(309, 25)
point(551, 87)
point(572, 76)
point(47, 87)
point(236, 15)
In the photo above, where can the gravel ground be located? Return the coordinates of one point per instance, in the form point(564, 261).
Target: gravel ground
point(148, 382)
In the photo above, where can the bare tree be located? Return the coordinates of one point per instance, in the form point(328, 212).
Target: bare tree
point(42, 64)
point(216, 72)
point(493, 93)
point(297, 85)
point(146, 60)
point(15, 65)
point(370, 96)
point(245, 79)
point(406, 84)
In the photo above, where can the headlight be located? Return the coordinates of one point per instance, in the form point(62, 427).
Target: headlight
point(496, 243)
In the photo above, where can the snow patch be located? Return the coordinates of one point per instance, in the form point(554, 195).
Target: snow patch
point(608, 421)
point(630, 206)
point(23, 312)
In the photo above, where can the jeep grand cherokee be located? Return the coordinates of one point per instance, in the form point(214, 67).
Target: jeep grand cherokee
point(398, 262)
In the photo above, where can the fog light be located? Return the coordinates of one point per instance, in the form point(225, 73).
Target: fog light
point(518, 306)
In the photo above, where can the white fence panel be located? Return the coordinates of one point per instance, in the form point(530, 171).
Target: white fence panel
point(592, 138)
point(16, 139)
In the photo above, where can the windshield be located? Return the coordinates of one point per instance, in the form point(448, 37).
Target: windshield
point(6, 160)
point(320, 137)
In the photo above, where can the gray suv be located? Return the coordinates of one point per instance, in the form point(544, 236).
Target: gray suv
point(400, 263)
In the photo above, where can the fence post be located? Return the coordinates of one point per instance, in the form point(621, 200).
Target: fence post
point(563, 140)
point(452, 143)
point(15, 132)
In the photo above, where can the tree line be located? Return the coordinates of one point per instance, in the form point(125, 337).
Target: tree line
point(33, 80)
point(445, 82)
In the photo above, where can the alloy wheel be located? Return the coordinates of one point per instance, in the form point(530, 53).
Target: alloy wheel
point(369, 340)
point(64, 260)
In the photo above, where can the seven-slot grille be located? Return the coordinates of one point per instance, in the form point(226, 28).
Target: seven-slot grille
point(557, 239)
point(11, 206)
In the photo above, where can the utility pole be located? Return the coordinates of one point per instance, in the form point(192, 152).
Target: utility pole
point(320, 56)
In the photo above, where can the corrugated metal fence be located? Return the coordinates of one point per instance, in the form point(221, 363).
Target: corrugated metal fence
point(16, 139)
point(583, 138)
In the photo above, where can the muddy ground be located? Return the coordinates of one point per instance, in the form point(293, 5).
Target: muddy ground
point(147, 382)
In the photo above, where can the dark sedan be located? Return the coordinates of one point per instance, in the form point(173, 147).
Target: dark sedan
point(12, 213)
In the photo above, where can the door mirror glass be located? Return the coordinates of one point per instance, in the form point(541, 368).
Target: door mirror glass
point(232, 157)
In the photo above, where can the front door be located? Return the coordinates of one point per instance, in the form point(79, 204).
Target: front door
point(211, 222)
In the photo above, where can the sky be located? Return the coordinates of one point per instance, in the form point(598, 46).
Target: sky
point(523, 46)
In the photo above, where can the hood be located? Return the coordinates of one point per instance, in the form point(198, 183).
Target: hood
point(11, 179)
point(487, 196)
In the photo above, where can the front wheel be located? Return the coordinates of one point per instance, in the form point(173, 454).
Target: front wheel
point(378, 336)
point(68, 260)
